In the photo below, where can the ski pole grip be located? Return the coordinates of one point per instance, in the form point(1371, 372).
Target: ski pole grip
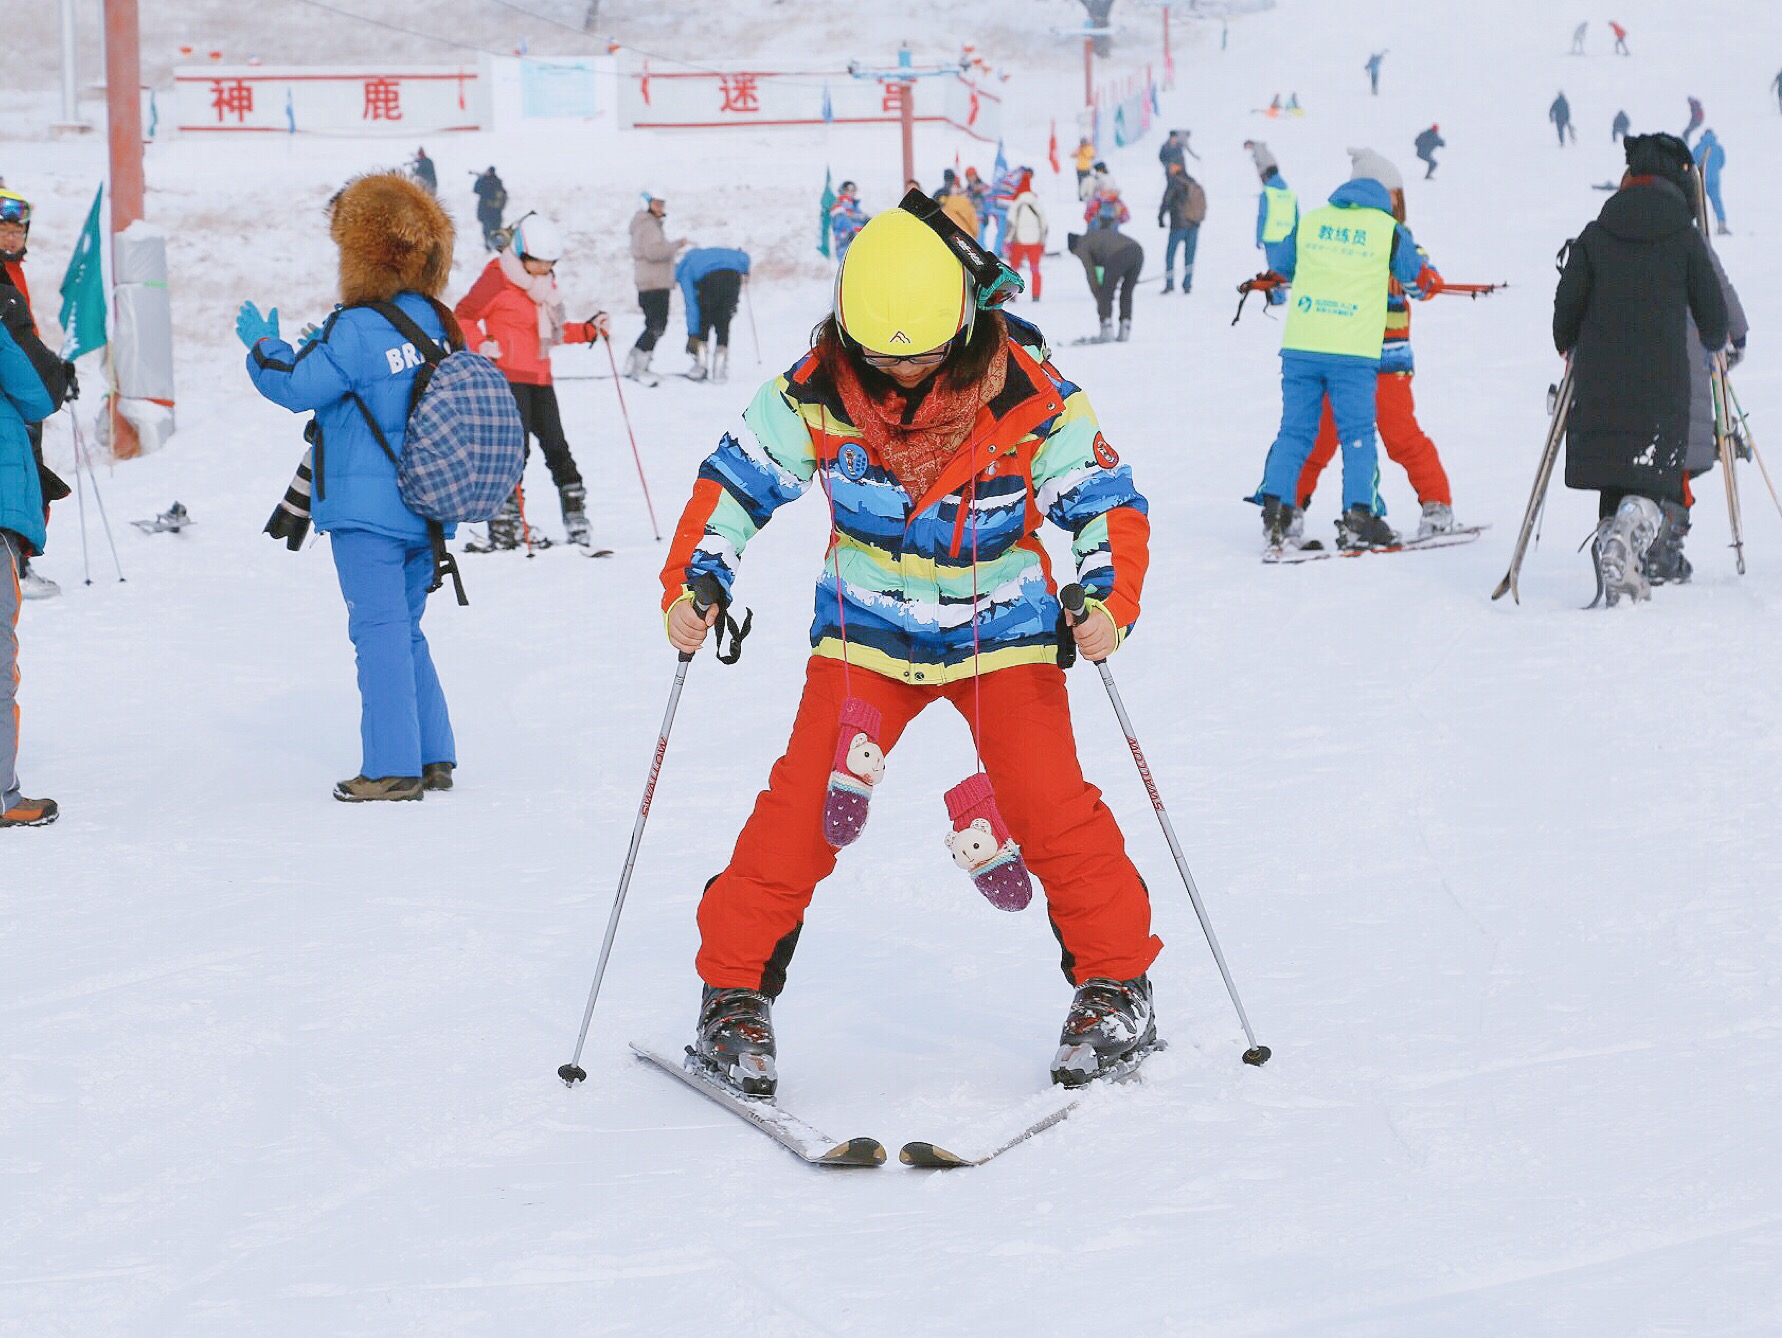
point(707, 594)
point(1074, 602)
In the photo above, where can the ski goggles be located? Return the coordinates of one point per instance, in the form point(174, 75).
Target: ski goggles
point(993, 282)
point(13, 209)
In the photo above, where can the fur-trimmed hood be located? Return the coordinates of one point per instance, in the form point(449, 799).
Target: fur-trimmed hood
point(393, 236)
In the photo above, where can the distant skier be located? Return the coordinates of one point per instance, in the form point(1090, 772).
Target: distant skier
point(1084, 158)
point(1340, 260)
point(1776, 86)
point(846, 218)
point(652, 257)
point(1183, 209)
point(1395, 411)
point(1709, 159)
point(1560, 113)
point(1578, 38)
point(1277, 211)
point(1631, 278)
point(1695, 118)
point(422, 167)
point(1111, 264)
point(1620, 38)
point(979, 192)
point(1027, 234)
point(491, 201)
point(1171, 154)
point(1373, 70)
point(1427, 143)
point(1618, 129)
point(1001, 199)
point(955, 200)
point(711, 280)
point(1105, 208)
point(909, 615)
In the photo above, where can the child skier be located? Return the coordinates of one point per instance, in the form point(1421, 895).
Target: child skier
point(513, 315)
point(939, 435)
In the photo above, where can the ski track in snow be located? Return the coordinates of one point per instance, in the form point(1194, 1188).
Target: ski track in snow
point(1497, 883)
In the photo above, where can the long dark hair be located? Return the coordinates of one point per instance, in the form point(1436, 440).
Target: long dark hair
point(967, 361)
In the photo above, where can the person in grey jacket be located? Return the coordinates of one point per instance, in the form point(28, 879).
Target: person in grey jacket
point(1664, 560)
point(1111, 262)
point(653, 256)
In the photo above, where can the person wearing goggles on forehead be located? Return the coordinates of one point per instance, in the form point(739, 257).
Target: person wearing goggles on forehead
point(939, 435)
point(57, 376)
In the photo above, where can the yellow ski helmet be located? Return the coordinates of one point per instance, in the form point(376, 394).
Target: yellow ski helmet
point(901, 290)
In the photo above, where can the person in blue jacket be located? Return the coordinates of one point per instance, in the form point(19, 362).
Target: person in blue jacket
point(24, 399)
point(1710, 158)
point(710, 279)
point(395, 246)
point(1338, 259)
point(1277, 210)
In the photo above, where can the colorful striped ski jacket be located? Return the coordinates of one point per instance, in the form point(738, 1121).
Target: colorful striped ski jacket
point(910, 591)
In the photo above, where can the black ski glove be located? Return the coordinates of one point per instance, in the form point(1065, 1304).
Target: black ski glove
point(71, 380)
point(1735, 353)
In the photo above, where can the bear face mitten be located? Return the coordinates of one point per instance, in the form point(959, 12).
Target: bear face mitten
point(859, 762)
point(982, 846)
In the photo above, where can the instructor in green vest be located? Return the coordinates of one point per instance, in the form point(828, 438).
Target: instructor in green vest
point(1338, 259)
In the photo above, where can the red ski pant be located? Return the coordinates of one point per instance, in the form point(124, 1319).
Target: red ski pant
point(751, 914)
point(1028, 253)
point(1395, 413)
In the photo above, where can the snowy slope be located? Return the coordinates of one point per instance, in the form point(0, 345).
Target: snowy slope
point(1497, 884)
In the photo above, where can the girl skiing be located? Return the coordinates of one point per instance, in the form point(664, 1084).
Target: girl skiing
point(940, 435)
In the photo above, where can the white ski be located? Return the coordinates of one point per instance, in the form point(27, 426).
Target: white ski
point(931, 1156)
point(1447, 539)
point(809, 1144)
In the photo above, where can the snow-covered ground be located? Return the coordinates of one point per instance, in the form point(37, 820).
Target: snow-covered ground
point(1498, 884)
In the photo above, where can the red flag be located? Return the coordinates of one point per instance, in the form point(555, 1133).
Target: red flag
point(643, 84)
point(1052, 150)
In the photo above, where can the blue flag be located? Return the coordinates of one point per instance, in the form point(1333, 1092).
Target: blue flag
point(1002, 164)
point(828, 203)
point(828, 110)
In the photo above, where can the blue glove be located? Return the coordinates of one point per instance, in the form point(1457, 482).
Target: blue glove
point(251, 327)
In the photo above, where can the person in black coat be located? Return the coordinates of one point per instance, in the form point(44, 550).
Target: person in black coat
point(1632, 280)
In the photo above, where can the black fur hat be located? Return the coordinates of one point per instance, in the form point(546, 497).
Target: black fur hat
point(1660, 155)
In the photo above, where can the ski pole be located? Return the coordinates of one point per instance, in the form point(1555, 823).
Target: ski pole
point(82, 455)
point(1749, 440)
point(754, 334)
point(1724, 443)
point(706, 595)
point(80, 500)
point(625, 414)
point(1473, 290)
point(1537, 497)
point(1071, 597)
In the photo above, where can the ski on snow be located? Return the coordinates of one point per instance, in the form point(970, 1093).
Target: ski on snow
point(808, 1143)
point(1448, 539)
point(931, 1156)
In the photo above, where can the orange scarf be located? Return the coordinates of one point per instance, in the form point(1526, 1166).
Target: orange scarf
point(916, 445)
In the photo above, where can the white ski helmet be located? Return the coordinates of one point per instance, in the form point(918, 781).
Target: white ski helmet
point(537, 238)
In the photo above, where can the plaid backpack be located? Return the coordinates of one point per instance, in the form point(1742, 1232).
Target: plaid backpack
point(464, 449)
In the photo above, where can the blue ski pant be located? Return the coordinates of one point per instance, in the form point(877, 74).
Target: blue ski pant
point(1350, 384)
point(403, 720)
point(1713, 188)
point(1187, 238)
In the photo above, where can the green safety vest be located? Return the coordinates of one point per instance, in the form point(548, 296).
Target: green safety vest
point(1339, 282)
point(1283, 212)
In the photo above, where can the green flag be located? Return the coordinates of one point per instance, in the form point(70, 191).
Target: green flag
point(823, 224)
point(83, 291)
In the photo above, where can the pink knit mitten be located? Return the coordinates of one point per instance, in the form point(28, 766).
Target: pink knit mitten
point(982, 846)
point(859, 762)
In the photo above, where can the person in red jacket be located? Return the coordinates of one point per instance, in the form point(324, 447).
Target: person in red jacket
point(513, 314)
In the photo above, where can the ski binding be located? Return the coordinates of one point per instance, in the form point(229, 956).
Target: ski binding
point(174, 519)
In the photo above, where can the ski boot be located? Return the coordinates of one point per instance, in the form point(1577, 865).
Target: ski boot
point(574, 498)
point(1169, 283)
point(437, 775)
point(735, 1042)
point(504, 529)
point(1361, 528)
point(1664, 563)
point(1107, 333)
point(696, 350)
point(1110, 1021)
point(1125, 331)
point(1437, 518)
point(720, 364)
point(33, 586)
point(637, 367)
point(1619, 547)
point(1279, 520)
point(366, 789)
point(30, 813)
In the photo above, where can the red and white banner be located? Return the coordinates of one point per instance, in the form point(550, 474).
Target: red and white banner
point(392, 99)
point(675, 99)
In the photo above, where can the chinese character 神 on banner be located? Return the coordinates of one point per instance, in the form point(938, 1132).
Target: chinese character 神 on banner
point(231, 96)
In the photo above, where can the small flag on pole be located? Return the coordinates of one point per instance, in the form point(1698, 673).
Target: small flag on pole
point(83, 290)
point(1052, 150)
point(828, 203)
point(828, 107)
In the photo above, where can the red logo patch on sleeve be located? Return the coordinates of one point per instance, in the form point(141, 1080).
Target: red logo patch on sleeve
point(1105, 455)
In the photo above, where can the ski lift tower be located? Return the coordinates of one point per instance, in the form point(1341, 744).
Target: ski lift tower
point(902, 79)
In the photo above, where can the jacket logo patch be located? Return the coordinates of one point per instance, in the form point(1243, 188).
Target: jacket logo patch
point(1105, 455)
point(852, 460)
point(400, 359)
